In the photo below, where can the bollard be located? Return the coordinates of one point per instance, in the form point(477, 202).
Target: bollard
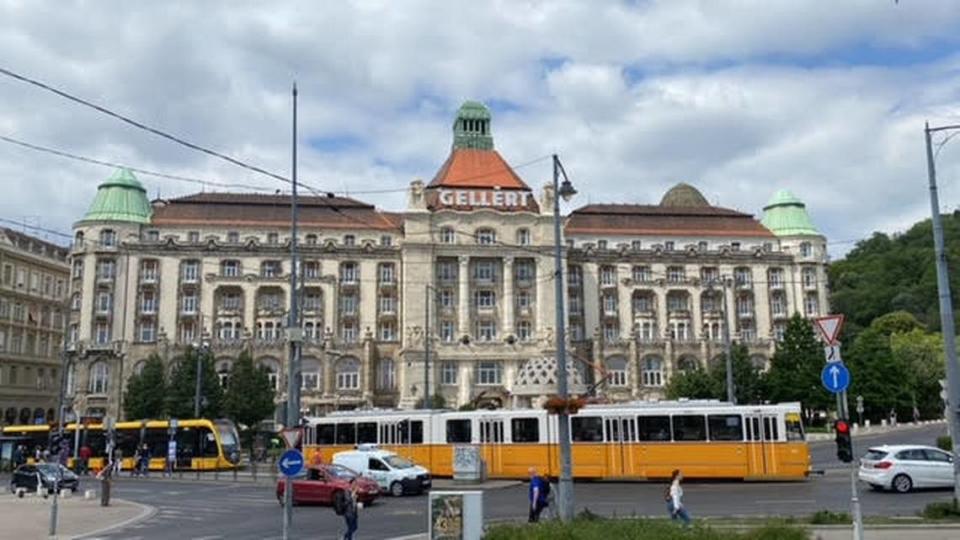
point(105, 492)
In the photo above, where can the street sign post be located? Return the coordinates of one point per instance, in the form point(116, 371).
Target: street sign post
point(291, 463)
point(835, 377)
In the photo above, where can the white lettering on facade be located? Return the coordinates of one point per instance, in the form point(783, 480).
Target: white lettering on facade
point(483, 198)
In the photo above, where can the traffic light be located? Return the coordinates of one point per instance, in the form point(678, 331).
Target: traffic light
point(844, 442)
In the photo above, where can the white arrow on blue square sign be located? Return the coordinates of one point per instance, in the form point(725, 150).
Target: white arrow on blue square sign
point(291, 462)
point(835, 377)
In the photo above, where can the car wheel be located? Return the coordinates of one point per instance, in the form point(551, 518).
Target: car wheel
point(396, 489)
point(902, 483)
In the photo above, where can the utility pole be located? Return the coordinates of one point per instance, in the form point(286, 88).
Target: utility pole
point(565, 486)
point(61, 442)
point(196, 395)
point(946, 311)
point(426, 346)
point(294, 333)
point(731, 393)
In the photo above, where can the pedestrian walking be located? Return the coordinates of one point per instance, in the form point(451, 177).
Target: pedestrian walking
point(346, 505)
point(117, 461)
point(85, 453)
point(38, 454)
point(145, 456)
point(538, 495)
point(19, 455)
point(674, 498)
point(135, 470)
point(916, 415)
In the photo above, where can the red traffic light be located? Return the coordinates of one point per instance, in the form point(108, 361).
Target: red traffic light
point(842, 427)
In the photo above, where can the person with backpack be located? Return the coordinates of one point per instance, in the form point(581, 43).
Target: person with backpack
point(345, 504)
point(538, 494)
point(674, 498)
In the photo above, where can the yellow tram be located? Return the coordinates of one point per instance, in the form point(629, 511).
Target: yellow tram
point(631, 441)
point(202, 444)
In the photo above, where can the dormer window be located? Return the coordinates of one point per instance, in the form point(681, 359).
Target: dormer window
point(311, 239)
point(193, 237)
point(273, 238)
point(152, 235)
point(349, 240)
point(233, 237)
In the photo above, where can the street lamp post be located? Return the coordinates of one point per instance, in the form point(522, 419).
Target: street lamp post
point(565, 487)
point(426, 344)
point(946, 308)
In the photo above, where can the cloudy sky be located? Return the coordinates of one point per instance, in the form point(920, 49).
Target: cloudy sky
point(739, 97)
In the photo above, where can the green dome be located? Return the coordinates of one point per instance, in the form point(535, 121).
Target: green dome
point(786, 215)
point(120, 198)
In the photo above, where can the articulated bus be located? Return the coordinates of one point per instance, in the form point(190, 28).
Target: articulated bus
point(631, 441)
point(201, 443)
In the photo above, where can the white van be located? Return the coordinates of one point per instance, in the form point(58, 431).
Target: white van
point(395, 474)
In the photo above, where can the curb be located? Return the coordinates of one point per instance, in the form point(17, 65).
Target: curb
point(146, 512)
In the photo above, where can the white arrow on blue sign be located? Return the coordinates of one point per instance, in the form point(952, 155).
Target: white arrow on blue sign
point(290, 462)
point(835, 377)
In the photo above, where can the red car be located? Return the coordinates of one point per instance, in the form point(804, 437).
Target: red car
point(322, 482)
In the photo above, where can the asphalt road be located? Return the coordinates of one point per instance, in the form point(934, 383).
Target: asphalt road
point(210, 510)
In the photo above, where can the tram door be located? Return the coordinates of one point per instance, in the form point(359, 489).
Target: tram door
point(762, 434)
point(622, 452)
point(491, 444)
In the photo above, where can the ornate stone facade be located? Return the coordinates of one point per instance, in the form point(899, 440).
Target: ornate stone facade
point(469, 263)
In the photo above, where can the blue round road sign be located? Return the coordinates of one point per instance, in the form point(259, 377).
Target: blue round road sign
point(290, 462)
point(835, 377)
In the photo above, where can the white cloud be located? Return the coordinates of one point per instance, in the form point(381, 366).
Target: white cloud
point(635, 96)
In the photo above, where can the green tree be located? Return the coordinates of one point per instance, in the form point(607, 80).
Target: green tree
point(249, 396)
point(882, 378)
point(794, 373)
point(922, 354)
point(146, 392)
point(712, 384)
point(180, 395)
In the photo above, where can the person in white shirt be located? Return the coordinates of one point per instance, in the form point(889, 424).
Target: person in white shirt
point(674, 499)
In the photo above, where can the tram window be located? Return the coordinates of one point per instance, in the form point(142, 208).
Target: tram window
point(770, 429)
point(653, 428)
point(794, 428)
point(156, 439)
point(367, 432)
point(95, 440)
point(128, 441)
point(587, 429)
point(689, 428)
point(416, 432)
point(725, 427)
point(347, 434)
point(325, 434)
point(524, 430)
point(755, 428)
point(458, 431)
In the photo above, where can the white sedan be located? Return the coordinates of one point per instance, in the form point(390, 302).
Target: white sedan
point(905, 467)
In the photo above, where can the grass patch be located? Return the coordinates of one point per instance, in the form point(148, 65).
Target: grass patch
point(826, 517)
point(648, 529)
point(942, 511)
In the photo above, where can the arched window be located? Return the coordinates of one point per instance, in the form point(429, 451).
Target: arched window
point(273, 370)
point(617, 371)
point(99, 378)
point(805, 249)
point(25, 415)
point(348, 374)
point(311, 374)
point(687, 364)
point(10, 415)
point(78, 240)
point(138, 367)
point(223, 372)
point(653, 371)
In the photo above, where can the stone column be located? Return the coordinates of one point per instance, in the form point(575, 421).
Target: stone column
point(463, 275)
point(249, 309)
point(696, 316)
point(662, 328)
point(463, 383)
point(508, 326)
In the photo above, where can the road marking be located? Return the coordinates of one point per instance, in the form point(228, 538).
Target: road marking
point(785, 501)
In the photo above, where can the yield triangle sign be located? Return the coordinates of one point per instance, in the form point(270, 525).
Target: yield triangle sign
point(829, 327)
point(291, 436)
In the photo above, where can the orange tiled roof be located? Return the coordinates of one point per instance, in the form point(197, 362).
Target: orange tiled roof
point(475, 168)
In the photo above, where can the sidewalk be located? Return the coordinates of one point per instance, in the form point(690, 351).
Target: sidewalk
point(29, 517)
point(873, 429)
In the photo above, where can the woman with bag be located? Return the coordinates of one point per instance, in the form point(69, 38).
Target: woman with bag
point(674, 498)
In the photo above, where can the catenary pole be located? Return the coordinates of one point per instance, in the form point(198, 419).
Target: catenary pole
point(946, 311)
point(293, 325)
point(426, 346)
point(61, 442)
point(565, 486)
